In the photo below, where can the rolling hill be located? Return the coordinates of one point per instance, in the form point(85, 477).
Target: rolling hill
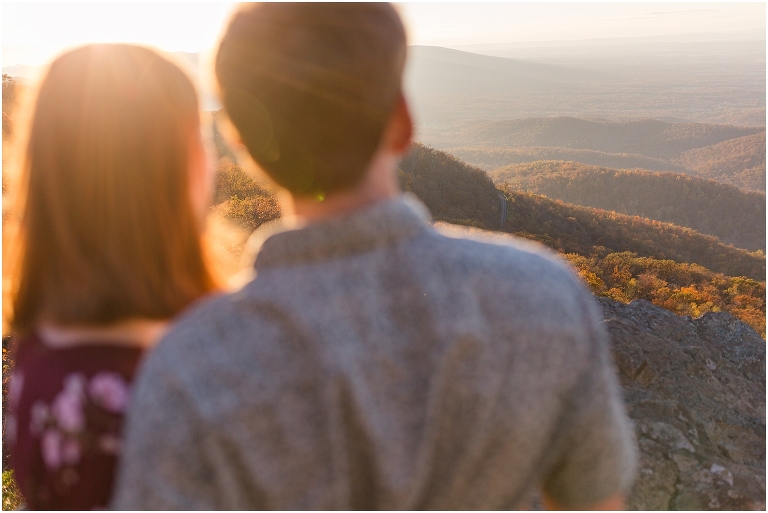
point(490, 159)
point(739, 161)
point(647, 137)
point(452, 190)
point(448, 85)
point(585, 230)
point(618, 256)
point(459, 193)
point(734, 216)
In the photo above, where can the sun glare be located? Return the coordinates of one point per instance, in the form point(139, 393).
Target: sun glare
point(33, 33)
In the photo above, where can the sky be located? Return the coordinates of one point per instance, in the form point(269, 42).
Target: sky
point(35, 32)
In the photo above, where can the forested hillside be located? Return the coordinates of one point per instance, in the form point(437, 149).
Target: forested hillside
point(681, 269)
point(648, 137)
point(734, 216)
point(728, 154)
point(239, 198)
point(452, 190)
point(677, 268)
point(490, 159)
point(686, 289)
point(444, 183)
point(739, 161)
point(584, 230)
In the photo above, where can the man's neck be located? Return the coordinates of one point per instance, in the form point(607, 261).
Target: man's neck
point(379, 184)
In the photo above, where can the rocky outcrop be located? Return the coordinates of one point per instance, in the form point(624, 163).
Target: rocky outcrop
point(695, 389)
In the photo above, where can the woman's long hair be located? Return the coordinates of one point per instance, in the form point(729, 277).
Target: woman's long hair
point(107, 231)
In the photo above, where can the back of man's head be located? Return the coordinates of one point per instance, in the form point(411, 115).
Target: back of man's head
point(310, 88)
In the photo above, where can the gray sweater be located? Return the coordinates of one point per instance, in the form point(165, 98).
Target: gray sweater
point(375, 363)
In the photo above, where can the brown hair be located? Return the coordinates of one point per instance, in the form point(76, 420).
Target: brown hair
point(107, 230)
point(310, 87)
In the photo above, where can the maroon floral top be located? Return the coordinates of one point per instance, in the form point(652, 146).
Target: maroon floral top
point(64, 427)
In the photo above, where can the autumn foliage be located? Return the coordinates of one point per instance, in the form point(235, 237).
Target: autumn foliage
point(686, 289)
point(452, 191)
point(241, 199)
point(739, 161)
point(619, 256)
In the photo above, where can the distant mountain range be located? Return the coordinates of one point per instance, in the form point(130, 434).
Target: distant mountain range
point(729, 154)
point(699, 81)
point(458, 193)
point(437, 70)
point(22, 71)
point(743, 44)
point(647, 137)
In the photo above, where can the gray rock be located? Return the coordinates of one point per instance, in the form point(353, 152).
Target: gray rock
point(695, 389)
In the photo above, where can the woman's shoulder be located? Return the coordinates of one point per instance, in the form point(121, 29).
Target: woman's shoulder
point(33, 356)
point(92, 374)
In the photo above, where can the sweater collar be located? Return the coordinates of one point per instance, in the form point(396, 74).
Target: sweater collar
point(379, 225)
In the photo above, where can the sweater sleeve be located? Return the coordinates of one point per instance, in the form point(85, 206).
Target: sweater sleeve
point(596, 451)
point(163, 464)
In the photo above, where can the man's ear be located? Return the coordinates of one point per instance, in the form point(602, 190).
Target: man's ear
point(400, 127)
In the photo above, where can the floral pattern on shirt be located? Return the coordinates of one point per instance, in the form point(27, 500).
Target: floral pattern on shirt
point(84, 416)
point(67, 408)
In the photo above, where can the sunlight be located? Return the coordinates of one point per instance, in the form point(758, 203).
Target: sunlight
point(33, 33)
point(457, 23)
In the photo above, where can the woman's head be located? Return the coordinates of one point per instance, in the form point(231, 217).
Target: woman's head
point(110, 226)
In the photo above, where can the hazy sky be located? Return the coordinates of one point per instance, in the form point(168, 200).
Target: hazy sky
point(34, 32)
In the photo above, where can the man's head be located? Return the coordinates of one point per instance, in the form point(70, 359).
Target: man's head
point(311, 87)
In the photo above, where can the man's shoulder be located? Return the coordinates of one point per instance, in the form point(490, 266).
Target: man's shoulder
point(485, 264)
point(195, 337)
point(207, 318)
point(501, 257)
point(521, 281)
point(220, 346)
